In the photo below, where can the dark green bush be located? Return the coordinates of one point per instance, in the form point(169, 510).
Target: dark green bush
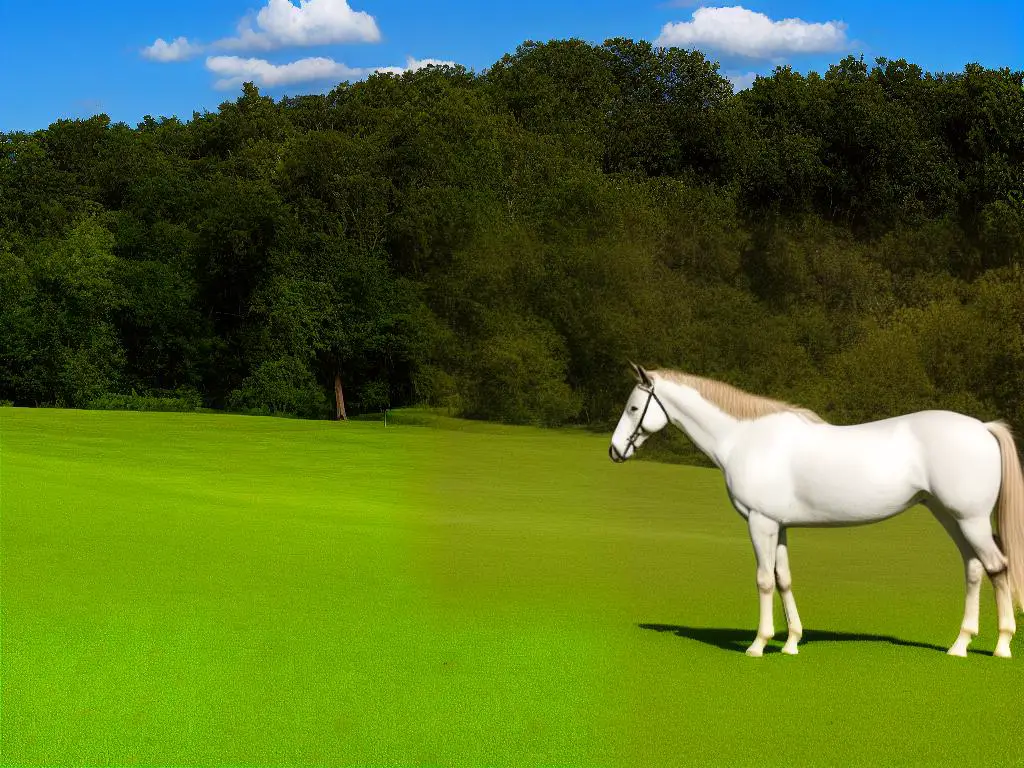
point(181, 400)
point(281, 387)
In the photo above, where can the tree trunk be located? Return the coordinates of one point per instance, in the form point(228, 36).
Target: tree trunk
point(339, 400)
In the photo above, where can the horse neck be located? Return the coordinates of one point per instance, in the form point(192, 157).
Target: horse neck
point(703, 422)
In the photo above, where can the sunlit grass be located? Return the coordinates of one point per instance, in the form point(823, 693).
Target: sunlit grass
point(210, 589)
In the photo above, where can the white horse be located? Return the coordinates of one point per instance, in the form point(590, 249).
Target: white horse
point(785, 466)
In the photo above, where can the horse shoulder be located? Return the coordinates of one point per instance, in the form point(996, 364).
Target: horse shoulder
point(759, 466)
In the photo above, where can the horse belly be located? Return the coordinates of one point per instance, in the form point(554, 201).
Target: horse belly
point(856, 483)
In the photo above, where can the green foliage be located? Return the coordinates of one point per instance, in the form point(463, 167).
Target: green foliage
point(280, 387)
point(517, 375)
point(881, 375)
point(497, 245)
point(180, 400)
point(374, 396)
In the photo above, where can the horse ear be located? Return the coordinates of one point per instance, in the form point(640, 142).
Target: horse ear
point(641, 374)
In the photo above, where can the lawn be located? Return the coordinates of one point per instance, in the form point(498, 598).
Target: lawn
point(183, 589)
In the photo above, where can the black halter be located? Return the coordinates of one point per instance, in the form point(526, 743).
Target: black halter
point(617, 457)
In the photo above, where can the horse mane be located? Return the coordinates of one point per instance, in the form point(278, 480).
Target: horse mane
point(733, 400)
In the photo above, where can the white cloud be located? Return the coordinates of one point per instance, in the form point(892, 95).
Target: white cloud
point(281, 23)
point(235, 70)
point(741, 80)
point(742, 32)
point(411, 65)
point(178, 49)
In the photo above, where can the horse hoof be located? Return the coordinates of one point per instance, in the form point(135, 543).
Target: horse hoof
point(790, 650)
point(756, 648)
point(1003, 646)
point(959, 648)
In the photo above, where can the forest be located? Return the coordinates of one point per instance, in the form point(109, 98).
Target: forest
point(500, 244)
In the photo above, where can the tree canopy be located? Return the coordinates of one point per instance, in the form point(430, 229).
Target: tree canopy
point(501, 243)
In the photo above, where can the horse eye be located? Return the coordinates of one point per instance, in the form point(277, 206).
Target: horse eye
point(634, 409)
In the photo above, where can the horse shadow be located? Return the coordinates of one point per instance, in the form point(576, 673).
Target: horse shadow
point(739, 639)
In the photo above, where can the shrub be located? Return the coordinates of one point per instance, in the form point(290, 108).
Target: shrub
point(280, 387)
point(375, 396)
point(179, 400)
point(519, 378)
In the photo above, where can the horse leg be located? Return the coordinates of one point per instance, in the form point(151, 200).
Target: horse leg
point(978, 532)
point(764, 534)
point(973, 570)
point(784, 582)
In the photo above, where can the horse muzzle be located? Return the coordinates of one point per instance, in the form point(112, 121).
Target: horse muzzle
point(614, 455)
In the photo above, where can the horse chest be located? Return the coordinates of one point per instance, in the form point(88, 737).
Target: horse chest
point(759, 479)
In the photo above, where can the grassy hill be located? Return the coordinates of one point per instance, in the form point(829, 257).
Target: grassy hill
point(211, 589)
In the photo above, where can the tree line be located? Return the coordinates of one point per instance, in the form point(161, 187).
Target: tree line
point(500, 243)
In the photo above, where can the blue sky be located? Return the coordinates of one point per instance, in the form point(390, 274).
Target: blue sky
point(75, 59)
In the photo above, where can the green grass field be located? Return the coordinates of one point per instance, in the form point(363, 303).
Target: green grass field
point(182, 589)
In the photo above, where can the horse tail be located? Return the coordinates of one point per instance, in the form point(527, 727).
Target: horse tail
point(1010, 509)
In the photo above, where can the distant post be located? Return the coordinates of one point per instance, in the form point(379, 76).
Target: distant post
point(339, 400)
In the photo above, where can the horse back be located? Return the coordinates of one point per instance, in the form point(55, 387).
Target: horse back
point(821, 474)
